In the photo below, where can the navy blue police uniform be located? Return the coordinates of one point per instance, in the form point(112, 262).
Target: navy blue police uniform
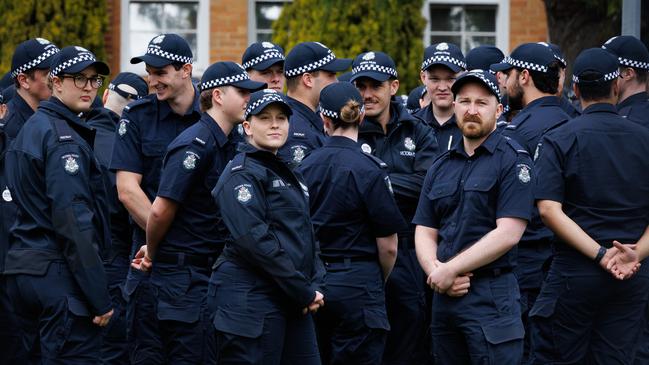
point(408, 147)
point(462, 197)
point(306, 131)
point(594, 166)
point(54, 266)
point(527, 128)
point(631, 52)
point(269, 269)
point(115, 348)
point(351, 205)
point(145, 129)
point(448, 55)
point(183, 261)
point(565, 104)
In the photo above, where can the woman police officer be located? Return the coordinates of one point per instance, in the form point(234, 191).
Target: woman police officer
point(355, 219)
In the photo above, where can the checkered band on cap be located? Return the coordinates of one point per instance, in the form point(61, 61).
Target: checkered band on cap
point(170, 56)
point(267, 98)
point(223, 81)
point(36, 61)
point(71, 62)
point(560, 59)
point(632, 63)
point(437, 59)
point(263, 57)
point(489, 83)
point(374, 67)
point(333, 114)
point(524, 64)
point(311, 66)
point(608, 77)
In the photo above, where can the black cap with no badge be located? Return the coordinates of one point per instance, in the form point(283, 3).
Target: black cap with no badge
point(415, 95)
point(375, 65)
point(164, 50)
point(74, 59)
point(629, 50)
point(261, 55)
point(32, 54)
point(333, 98)
point(600, 65)
point(228, 73)
point(124, 84)
point(482, 57)
point(259, 100)
point(486, 78)
point(530, 56)
point(313, 56)
point(445, 54)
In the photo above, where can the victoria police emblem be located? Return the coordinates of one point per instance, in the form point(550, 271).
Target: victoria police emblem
point(122, 127)
point(298, 154)
point(524, 174)
point(189, 163)
point(409, 144)
point(366, 148)
point(70, 163)
point(243, 193)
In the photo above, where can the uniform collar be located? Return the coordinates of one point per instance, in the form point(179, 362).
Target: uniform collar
point(340, 141)
point(313, 117)
point(432, 121)
point(549, 100)
point(22, 107)
point(638, 98)
point(165, 109)
point(490, 144)
point(57, 106)
point(215, 129)
point(600, 108)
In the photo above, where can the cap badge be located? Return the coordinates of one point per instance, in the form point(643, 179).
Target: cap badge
point(267, 45)
point(158, 39)
point(442, 46)
point(42, 41)
point(369, 56)
point(80, 49)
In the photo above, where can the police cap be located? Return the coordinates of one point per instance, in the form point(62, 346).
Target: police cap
point(259, 100)
point(261, 55)
point(333, 98)
point(313, 56)
point(126, 82)
point(375, 65)
point(482, 57)
point(74, 59)
point(531, 56)
point(32, 54)
point(629, 50)
point(600, 65)
point(485, 78)
point(446, 54)
point(164, 50)
point(228, 73)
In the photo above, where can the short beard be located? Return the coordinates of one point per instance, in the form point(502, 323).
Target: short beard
point(515, 97)
point(474, 133)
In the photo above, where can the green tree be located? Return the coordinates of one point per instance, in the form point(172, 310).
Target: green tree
point(64, 22)
point(352, 27)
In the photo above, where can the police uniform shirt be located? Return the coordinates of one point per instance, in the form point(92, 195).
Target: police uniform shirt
point(463, 196)
point(146, 128)
point(305, 134)
point(18, 111)
point(351, 199)
point(596, 166)
point(408, 148)
point(191, 168)
point(265, 208)
point(57, 185)
point(447, 134)
point(635, 108)
point(7, 207)
point(568, 107)
point(527, 128)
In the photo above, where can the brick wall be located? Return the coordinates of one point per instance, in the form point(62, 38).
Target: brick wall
point(527, 22)
point(112, 37)
point(228, 30)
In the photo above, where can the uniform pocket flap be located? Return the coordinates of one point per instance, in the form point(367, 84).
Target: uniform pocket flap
point(153, 148)
point(183, 311)
point(376, 318)
point(441, 190)
point(248, 325)
point(78, 307)
point(503, 330)
point(480, 183)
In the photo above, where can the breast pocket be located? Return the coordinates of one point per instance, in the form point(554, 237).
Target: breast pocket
point(442, 196)
point(480, 194)
point(153, 152)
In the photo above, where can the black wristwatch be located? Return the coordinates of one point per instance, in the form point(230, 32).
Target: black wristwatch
point(600, 254)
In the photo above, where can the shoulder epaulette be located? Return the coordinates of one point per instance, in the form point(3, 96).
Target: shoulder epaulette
point(516, 146)
point(201, 137)
point(143, 101)
point(376, 160)
point(238, 162)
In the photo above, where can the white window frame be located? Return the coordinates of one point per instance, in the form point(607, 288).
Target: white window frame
point(202, 37)
point(252, 17)
point(502, 18)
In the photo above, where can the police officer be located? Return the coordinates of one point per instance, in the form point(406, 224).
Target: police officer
point(442, 63)
point(182, 238)
point(633, 56)
point(417, 99)
point(593, 190)
point(562, 92)
point(54, 264)
point(408, 147)
point(269, 278)
point(146, 128)
point(355, 219)
point(309, 67)
point(124, 88)
point(481, 58)
point(264, 62)
point(532, 82)
point(473, 209)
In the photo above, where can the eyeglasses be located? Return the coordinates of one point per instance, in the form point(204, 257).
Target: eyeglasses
point(80, 81)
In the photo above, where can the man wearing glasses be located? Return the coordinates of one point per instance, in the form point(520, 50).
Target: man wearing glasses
point(54, 269)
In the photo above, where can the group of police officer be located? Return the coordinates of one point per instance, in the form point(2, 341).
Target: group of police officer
point(488, 220)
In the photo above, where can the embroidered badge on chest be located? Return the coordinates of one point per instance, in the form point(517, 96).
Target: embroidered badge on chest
point(409, 144)
point(70, 163)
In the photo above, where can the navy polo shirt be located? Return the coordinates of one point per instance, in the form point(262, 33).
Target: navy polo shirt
point(463, 196)
point(596, 166)
point(305, 134)
point(409, 148)
point(636, 108)
point(146, 128)
point(191, 168)
point(527, 128)
point(351, 199)
point(447, 134)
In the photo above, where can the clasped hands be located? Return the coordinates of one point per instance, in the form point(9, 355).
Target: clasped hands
point(621, 260)
point(444, 280)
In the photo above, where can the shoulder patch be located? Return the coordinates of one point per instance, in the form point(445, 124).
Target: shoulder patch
point(191, 160)
point(524, 173)
point(376, 160)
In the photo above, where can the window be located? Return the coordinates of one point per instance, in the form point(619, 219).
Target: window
point(143, 19)
point(467, 23)
point(262, 14)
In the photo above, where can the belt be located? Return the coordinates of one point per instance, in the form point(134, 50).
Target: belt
point(182, 259)
point(491, 272)
point(347, 260)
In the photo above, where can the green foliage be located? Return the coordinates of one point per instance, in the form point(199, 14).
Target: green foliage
point(64, 22)
point(352, 27)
